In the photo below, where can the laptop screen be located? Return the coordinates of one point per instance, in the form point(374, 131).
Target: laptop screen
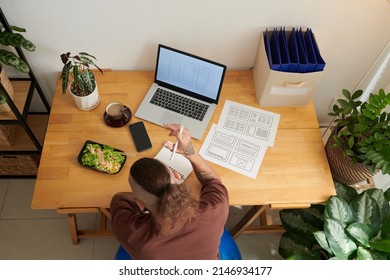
point(189, 74)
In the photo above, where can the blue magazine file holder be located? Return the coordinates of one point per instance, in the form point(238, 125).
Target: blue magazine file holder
point(284, 55)
point(320, 61)
point(311, 55)
point(302, 67)
point(293, 52)
point(268, 51)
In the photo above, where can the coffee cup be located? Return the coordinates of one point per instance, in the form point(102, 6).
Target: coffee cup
point(116, 111)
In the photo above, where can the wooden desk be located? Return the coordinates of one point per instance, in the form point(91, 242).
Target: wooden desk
point(294, 173)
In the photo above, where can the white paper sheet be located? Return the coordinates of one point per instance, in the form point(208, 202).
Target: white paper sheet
point(253, 124)
point(240, 140)
point(233, 152)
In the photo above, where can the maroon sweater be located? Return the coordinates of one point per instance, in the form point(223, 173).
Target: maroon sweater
point(198, 239)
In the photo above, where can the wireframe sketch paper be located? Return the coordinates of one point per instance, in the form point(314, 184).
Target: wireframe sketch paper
point(179, 164)
point(241, 138)
point(251, 123)
point(232, 151)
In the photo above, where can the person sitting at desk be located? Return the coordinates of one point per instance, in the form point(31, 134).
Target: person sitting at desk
point(162, 218)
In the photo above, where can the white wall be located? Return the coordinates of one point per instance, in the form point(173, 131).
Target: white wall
point(123, 34)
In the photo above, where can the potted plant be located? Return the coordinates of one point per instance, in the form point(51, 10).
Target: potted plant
point(9, 58)
point(361, 135)
point(83, 84)
point(351, 225)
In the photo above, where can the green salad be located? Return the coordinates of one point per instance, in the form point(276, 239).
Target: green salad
point(103, 158)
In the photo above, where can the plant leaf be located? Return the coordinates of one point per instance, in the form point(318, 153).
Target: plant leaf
point(346, 93)
point(65, 76)
point(361, 232)
point(345, 132)
point(382, 245)
point(357, 94)
point(364, 254)
point(366, 211)
point(386, 168)
point(337, 208)
point(385, 229)
point(342, 246)
point(387, 194)
point(89, 80)
point(295, 221)
point(289, 248)
point(344, 104)
point(383, 204)
point(16, 40)
point(321, 239)
point(13, 60)
point(315, 215)
point(345, 192)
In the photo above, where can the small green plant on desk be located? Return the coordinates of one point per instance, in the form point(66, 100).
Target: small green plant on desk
point(78, 67)
point(349, 226)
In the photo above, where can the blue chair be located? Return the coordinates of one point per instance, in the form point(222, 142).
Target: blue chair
point(228, 249)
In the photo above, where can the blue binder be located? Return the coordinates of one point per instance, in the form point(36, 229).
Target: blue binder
point(275, 51)
point(293, 52)
point(269, 51)
point(320, 61)
point(303, 65)
point(284, 55)
point(311, 55)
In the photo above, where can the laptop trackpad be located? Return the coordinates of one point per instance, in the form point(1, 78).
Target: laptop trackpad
point(169, 117)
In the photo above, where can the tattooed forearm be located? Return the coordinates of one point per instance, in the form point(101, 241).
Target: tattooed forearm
point(203, 175)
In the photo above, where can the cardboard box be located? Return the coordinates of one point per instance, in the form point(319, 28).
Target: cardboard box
point(281, 89)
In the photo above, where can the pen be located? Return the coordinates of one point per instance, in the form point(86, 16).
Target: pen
point(176, 144)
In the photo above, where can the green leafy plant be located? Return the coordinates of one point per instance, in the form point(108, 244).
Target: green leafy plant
point(363, 131)
point(351, 225)
point(15, 40)
point(78, 68)
point(7, 57)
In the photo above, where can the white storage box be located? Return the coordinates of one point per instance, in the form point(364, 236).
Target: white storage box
point(277, 88)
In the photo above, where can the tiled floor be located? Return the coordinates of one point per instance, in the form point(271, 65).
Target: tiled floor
point(44, 234)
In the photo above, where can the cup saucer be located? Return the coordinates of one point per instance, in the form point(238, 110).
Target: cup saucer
point(121, 122)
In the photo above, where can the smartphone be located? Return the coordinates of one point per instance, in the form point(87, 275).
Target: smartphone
point(140, 136)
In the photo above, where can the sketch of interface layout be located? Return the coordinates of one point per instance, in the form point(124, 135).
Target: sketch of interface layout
point(254, 124)
point(241, 138)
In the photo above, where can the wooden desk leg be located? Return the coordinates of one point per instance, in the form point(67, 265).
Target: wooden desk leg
point(103, 221)
point(76, 234)
point(105, 215)
point(249, 217)
point(73, 228)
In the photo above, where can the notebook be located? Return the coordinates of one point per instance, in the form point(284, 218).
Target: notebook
point(180, 163)
point(183, 77)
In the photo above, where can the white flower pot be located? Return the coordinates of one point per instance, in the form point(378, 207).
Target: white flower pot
point(88, 102)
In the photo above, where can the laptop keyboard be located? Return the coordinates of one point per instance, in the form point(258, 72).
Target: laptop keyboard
point(179, 104)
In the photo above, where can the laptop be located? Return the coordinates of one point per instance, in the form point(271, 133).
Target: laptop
point(186, 90)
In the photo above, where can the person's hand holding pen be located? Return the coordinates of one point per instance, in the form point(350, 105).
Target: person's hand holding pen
point(177, 143)
point(184, 142)
point(202, 169)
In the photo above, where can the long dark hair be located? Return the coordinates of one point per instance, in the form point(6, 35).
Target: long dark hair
point(177, 204)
